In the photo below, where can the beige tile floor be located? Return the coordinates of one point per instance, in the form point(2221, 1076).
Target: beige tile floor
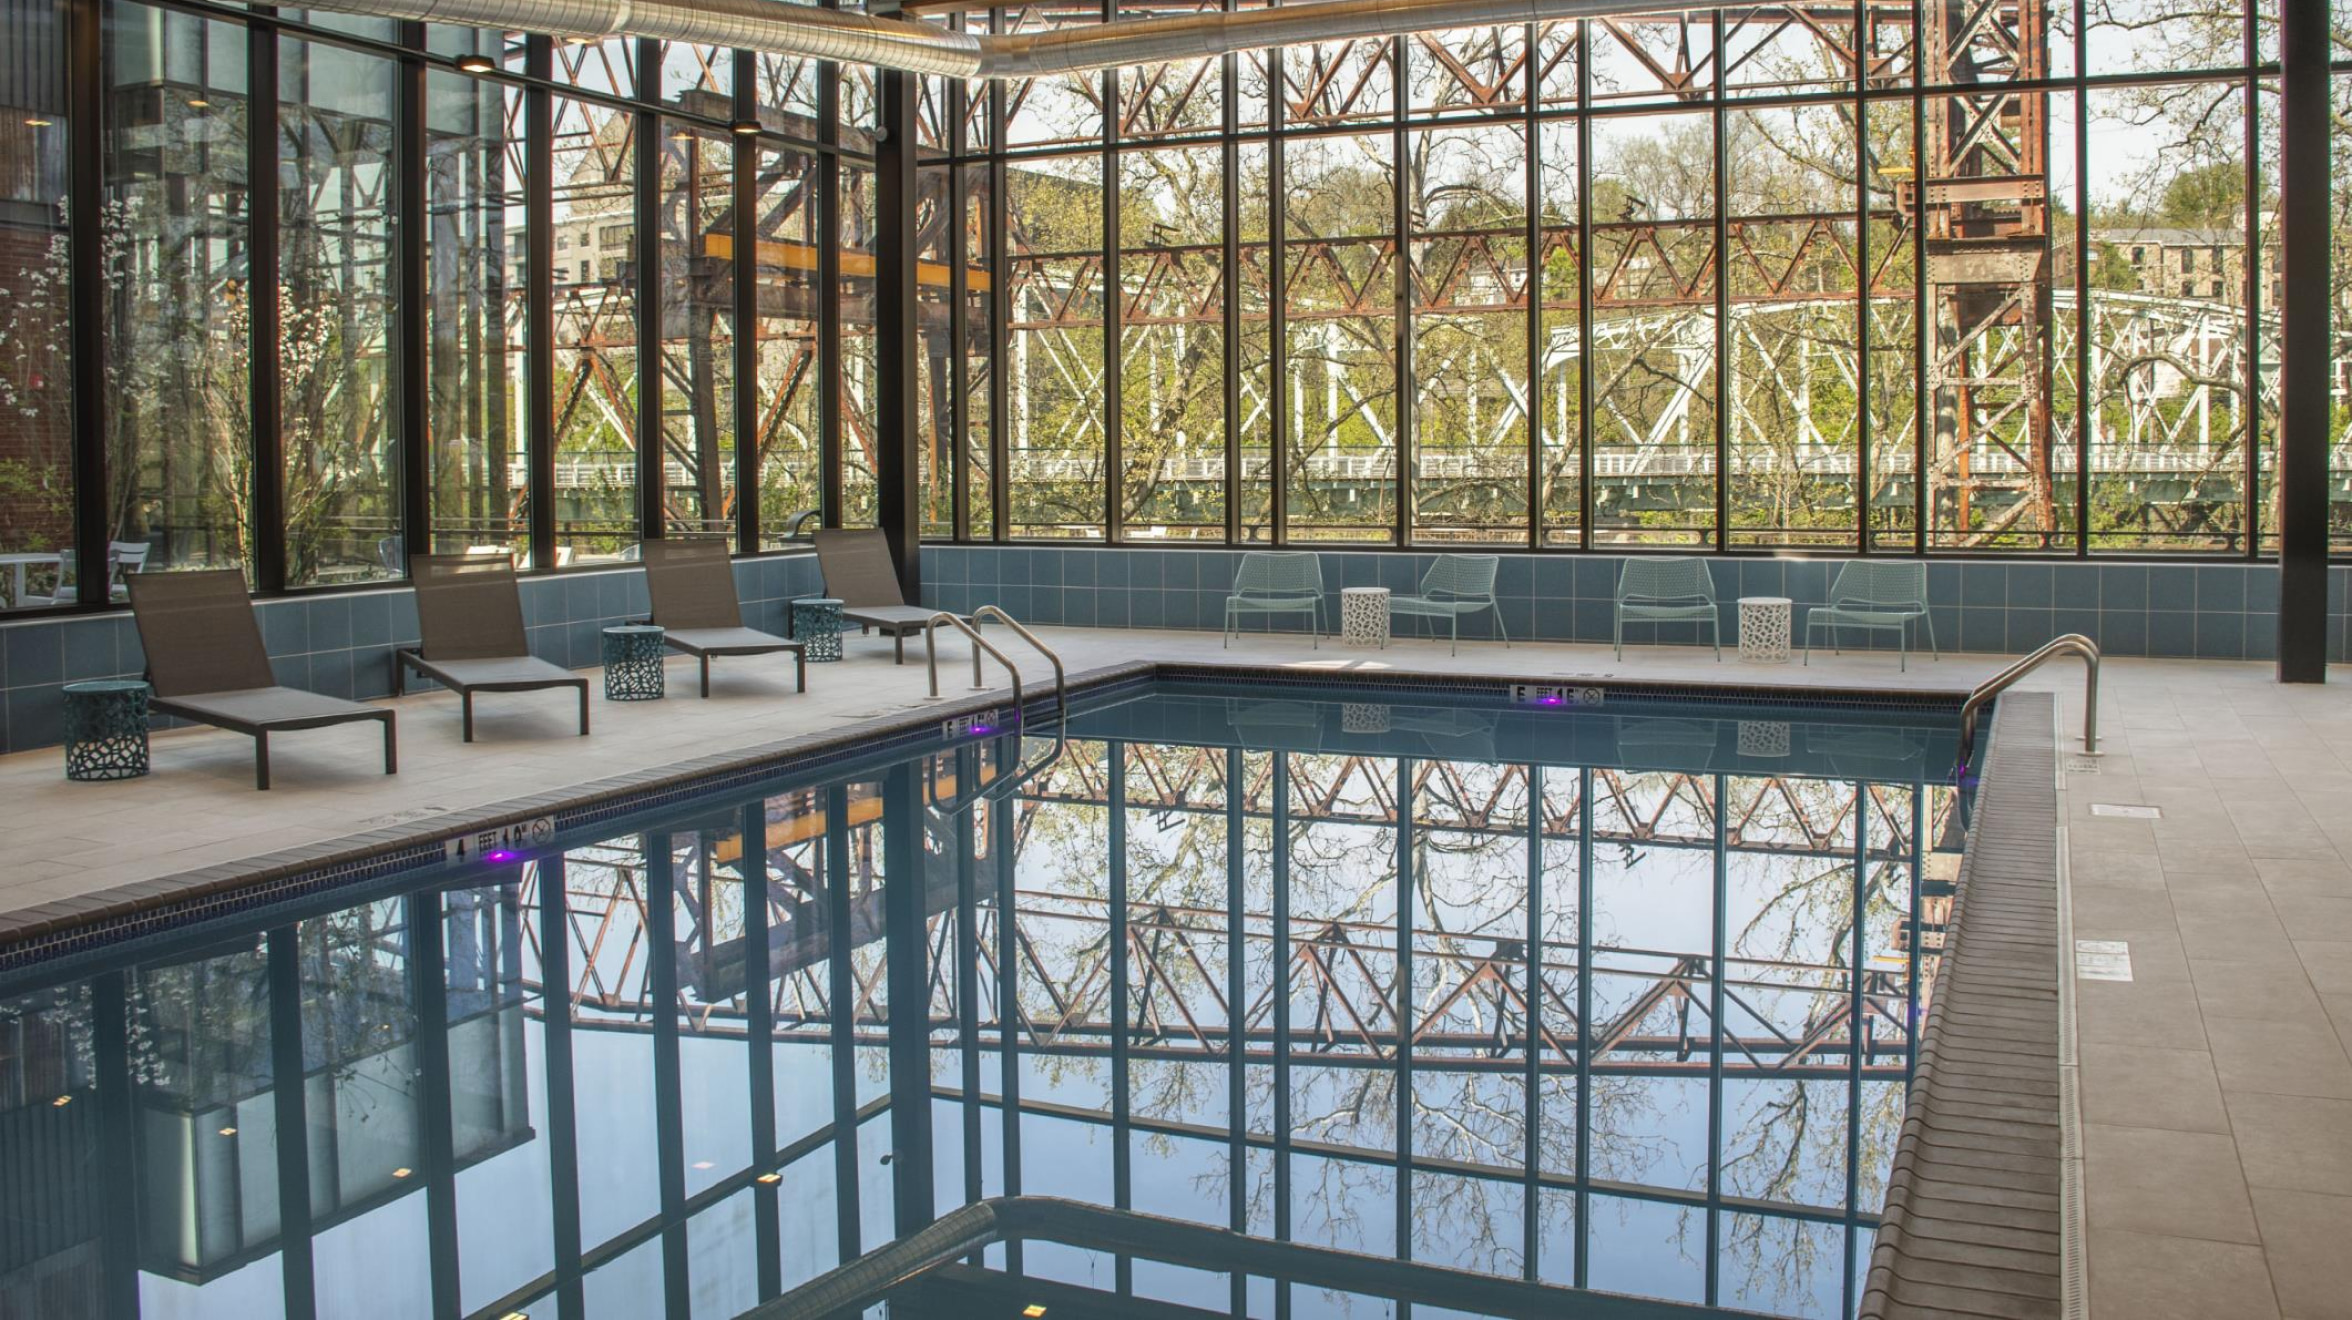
point(2215, 1089)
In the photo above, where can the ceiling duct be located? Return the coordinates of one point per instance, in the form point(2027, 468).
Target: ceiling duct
point(927, 48)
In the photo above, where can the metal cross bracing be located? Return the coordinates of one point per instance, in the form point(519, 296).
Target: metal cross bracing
point(1653, 1009)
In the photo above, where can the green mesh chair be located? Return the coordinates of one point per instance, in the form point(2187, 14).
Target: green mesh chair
point(1277, 582)
point(1454, 586)
point(1656, 591)
point(1876, 597)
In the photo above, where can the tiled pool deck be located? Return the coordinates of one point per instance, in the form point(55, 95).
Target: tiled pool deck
point(2216, 1093)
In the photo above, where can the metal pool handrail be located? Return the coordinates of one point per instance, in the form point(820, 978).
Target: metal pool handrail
point(2070, 644)
point(979, 644)
point(1003, 785)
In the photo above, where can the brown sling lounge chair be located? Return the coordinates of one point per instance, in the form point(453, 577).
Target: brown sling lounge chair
point(694, 600)
point(859, 573)
point(471, 615)
point(207, 663)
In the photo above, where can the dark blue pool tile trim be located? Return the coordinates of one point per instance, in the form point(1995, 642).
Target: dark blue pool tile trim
point(342, 644)
point(1613, 691)
point(2185, 611)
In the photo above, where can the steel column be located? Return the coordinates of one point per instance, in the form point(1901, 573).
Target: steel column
point(2304, 358)
point(898, 332)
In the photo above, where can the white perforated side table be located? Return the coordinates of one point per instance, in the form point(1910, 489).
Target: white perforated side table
point(1764, 630)
point(1363, 616)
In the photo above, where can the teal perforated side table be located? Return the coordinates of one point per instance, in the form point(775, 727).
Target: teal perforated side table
point(816, 625)
point(633, 662)
point(106, 729)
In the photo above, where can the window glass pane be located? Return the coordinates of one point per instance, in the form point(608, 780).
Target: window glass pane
point(1471, 71)
point(978, 353)
point(1340, 338)
point(858, 370)
point(789, 389)
point(337, 359)
point(608, 66)
point(2168, 332)
point(698, 329)
point(1560, 410)
point(1793, 321)
point(477, 265)
point(1169, 100)
point(1653, 319)
point(935, 343)
point(1172, 343)
point(1253, 284)
point(595, 419)
point(177, 331)
point(1054, 375)
point(2001, 452)
point(36, 380)
point(1469, 278)
point(1891, 347)
point(1057, 110)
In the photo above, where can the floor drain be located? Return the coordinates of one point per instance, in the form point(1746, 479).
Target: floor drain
point(2082, 765)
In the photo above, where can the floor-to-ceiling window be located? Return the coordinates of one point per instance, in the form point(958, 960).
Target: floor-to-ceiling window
point(36, 384)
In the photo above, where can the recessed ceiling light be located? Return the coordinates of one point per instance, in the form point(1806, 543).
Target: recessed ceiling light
point(702, 1164)
point(475, 64)
point(197, 103)
point(228, 1132)
point(1033, 1310)
point(37, 122)
point(771, 1179)
point(403, 1171)
point(745, 128)
point(61, 1101)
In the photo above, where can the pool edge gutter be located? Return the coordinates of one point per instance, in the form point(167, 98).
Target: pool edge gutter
point(1974, 1208)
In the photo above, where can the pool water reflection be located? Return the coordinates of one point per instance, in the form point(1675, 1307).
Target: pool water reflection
point(1303, 966)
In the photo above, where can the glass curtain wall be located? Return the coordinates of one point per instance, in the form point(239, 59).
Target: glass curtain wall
point(1876, 281)
point(462, 264)
point(1883, 281)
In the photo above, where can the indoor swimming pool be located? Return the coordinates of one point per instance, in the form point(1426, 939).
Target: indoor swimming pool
point(1543, 989)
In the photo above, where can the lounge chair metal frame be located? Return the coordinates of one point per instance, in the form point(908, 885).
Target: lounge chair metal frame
point(1277, 582)
point(1680, 589)
point(471, 615)
point(1876, 597)
point(207, 663)
point(692, 586)
point(1454, 586)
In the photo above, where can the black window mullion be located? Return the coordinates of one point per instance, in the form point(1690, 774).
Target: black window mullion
point(1535, 298)
point(957, 236)
point(647, 257)
point(266, 533)
point(1726, 397)
point(1584, 308)
point(85, 208)
point(1114, 298)
point(411, 357)
point(1403, 185)
point(539, 296)
point(830, 455)
point(745, 345)
point(1862, 280)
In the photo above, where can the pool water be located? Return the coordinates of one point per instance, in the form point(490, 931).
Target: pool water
point(1567, 996)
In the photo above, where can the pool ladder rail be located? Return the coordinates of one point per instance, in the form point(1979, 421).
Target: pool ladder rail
point(1002, 785)
point(2070, 644)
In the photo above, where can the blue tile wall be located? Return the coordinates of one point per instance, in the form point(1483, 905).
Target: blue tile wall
point(342, 644)
point(2200, 611)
